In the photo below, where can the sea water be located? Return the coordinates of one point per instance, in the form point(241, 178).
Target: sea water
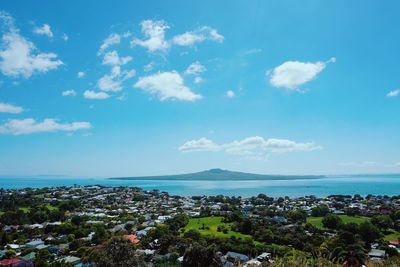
point(346, 185)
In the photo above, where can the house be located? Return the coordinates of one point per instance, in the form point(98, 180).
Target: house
point(34, 244)
point(13, 246)
point(376, 254)
point(236, 258)
point(131, 238)
point(264, 256)
point(29, 257)
point(15, 262)
point(40, 247)
point(395, 243)
point(71, 260)
point(141, 233)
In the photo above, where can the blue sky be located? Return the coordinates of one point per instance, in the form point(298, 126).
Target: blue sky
point(131, 88)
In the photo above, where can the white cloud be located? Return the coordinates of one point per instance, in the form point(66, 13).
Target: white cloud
point(393, 93)
point(95, 95)
point(113, 82)
point(167, 85)
point(65, 37)
point(30, 126)
point(148, 67)
point(19, 57)
point(250, 146)
point(69, 93)
point(112, 39)
point(203, 144)
point(113, 59)
point(44, 30)
point(195, 69)
point(81, 74)
point(198, 80)
point(292, 74)
point(230, 93)
point(199, 35)
point(8, 108)
point(154, 31)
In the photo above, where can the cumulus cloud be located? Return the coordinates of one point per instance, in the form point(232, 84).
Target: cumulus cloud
point(393, 93)
point(69, 93)
point(44, 30)
point(154, 32)
point(8, 108)
point(230, 93)
point(167, 85)
point(30, 126)
point(195, 69)
point(292, 74)
point(113, 82)
point(250, 146)
point(202, 144)
point(20, 57)
point(81, 74)
point(113, 59)
point(112, 39)
point(199, 35)
point(89, 94)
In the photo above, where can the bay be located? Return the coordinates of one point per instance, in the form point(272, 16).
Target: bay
point(346, 185)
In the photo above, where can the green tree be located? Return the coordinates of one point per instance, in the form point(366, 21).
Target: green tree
point(331, 221)
point(320, 210)
point(369, 232)
point(199, 256)
point(297, 216)
point(116, 252)
point(382, 221)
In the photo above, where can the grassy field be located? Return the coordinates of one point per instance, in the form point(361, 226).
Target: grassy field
point(317, 221)
point(393, 236)
point(212, 223)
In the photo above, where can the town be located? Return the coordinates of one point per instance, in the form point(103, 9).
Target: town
point(127, 226)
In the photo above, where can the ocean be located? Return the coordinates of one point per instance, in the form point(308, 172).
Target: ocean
point(348, 185)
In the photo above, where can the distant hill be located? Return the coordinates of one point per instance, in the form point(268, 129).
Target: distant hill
point(220, 175)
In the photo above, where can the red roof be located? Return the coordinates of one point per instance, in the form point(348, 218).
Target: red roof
point(394, 242)
point(131, 238)
point(10, 261)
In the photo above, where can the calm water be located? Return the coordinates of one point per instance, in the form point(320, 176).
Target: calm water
point(363, 185)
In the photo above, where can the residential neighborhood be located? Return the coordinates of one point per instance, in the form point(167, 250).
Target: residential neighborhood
point(66, 226)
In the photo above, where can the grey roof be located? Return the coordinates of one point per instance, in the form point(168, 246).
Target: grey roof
point(376, 253)
point(242, 257)
point(34, 243)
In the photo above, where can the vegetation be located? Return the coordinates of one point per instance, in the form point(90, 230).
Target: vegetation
point(317, 221)
point(213, 226)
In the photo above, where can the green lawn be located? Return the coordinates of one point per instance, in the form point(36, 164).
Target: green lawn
point(51, 207)
point(213, 223)
point(392, 236)
point(317, 221)
point(25, 209)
